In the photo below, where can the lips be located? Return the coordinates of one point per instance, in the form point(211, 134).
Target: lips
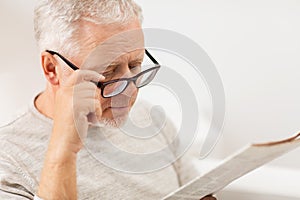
point(119, 111)
point(116, 107)
point(116, 103)
point(119, 107)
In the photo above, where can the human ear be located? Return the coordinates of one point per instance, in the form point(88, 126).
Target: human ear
point(50, 68)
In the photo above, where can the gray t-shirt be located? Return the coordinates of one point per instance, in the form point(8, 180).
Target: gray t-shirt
point(24, 142)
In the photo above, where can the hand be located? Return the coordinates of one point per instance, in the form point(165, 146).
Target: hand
point(77, 98)
point(209, 198)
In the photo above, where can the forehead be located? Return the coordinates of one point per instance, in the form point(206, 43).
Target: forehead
point(135, 55)
point(106, 44)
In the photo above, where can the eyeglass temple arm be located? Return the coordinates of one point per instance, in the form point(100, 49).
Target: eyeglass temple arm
point(63, 58)
point(76, 68)
point(151, 57)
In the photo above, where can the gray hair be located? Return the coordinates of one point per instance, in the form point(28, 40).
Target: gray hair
point(56, 21)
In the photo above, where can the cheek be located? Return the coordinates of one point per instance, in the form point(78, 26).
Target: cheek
point(103, 101)
point(107, 112)
point(133, 98)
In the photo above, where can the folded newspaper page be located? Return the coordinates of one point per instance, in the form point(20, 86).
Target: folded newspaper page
point(246, 160)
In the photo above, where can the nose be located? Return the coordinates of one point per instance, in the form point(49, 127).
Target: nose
point(130, 90)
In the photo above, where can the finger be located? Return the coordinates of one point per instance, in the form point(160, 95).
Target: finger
point(86, 106)
point(86, 90)
point(94, 117)
point(79, 76)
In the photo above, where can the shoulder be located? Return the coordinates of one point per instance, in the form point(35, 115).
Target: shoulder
point(9, 130)
point(23, 135)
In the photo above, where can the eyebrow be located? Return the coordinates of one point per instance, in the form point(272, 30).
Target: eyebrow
point(108, 68)
point(119, 63)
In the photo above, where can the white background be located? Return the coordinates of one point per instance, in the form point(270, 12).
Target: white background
point(254, 44)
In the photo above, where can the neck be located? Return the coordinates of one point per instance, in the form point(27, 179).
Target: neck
point(45, 103)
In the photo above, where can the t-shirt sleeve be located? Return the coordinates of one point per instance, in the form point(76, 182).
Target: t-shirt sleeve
point(13, 184)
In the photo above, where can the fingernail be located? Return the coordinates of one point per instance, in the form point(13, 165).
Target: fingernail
point(102, 77)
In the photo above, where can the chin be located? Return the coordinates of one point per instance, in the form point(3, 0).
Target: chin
point(114, 117)
point(113, 123)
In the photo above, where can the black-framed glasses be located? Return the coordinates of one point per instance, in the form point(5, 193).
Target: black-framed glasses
point(117, 86)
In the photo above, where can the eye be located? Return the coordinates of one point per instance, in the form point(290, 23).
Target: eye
point(135, 69)
point(109, 73)
point(135, 66)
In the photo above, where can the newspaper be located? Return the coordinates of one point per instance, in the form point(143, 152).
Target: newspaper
point(237, 165)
